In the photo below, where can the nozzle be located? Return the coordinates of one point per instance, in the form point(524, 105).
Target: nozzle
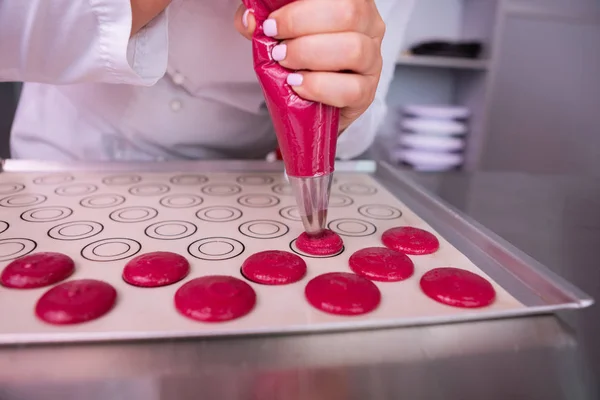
point(312, 198)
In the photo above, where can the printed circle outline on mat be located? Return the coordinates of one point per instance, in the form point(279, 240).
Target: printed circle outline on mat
point(296, 250)
point(30, 215)
point(188, 179)
point(221, 189)
point(121, 179)
point(60, 232)
point(291, 213)
point(152, 231)
point(53, 179)
point(76, 189)
point(357, 189)
point(258, 200)
point(34, 198)
point(91, 253)
point(149, 189)
point(24, 247)
point(278, 229)
point(222, 248)
point(341, 200)
point(169, 201)
point(95, 201)
point(4, 226)
point(255, 180)
point(118, 217)
point(232, 214)
point(284, 189)
point(11, 188)
point(390, 212)
point(366, 229)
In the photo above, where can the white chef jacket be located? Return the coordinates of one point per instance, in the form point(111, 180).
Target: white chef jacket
point(183, 87)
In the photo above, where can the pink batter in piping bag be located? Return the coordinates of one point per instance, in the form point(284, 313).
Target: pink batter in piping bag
point(306, 131)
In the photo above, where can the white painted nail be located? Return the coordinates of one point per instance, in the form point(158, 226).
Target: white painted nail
point(279, 52)
point(294, 79)
point(270, 27)
point(245, 17)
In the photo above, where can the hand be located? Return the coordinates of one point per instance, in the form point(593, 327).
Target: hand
point(334, 44)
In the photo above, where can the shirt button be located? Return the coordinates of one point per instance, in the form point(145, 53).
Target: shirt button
point(178, 78)
point(176, 105)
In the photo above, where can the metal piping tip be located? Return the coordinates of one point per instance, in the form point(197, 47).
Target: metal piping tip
point(312, 198)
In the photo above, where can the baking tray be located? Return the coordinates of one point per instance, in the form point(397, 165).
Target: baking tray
point(534, 286)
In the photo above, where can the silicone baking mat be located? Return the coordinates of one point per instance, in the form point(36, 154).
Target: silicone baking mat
point(215, 220)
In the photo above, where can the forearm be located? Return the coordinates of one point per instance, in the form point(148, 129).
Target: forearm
point(65, 41)
point(144, 11)
point(358, 137)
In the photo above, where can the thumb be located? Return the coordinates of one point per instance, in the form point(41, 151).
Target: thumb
point(244, 21)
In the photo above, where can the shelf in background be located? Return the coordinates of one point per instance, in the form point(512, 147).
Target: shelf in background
point(441, 62)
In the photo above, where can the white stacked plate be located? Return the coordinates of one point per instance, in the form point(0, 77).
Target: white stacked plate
point(432, 137)
point(438, 112)
point(445, 144)
point(434, 126)
point(422, 160)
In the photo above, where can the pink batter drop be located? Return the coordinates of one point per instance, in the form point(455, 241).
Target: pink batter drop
point(326, 244)
point(458, 287)
point(215, 298)
point(160, 268)
point(381, 264)
point(274, 267)
point(37, 270)
point(410, 240)
point(342, 293)
point(76, 301)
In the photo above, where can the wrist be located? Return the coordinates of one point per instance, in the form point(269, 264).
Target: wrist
point(144, 11)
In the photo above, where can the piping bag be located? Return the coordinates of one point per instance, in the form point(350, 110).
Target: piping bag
point(306, 131)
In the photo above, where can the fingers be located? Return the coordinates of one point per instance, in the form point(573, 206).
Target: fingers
point(310, 17)
point(348, 51)
point(244, 22)
point(335, 89)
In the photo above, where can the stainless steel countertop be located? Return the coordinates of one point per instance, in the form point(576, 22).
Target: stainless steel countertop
point(555, 219)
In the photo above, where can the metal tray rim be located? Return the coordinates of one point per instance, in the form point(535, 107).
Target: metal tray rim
point(575, 295)
point(17, 339)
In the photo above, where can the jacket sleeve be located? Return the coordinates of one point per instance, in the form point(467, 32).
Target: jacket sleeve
point(66, 41)
point(359, 136)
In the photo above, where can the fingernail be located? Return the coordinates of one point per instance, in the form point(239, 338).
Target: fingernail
point(270, 27)
point(294, 79)
point(245, 17)
point(279, 52)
